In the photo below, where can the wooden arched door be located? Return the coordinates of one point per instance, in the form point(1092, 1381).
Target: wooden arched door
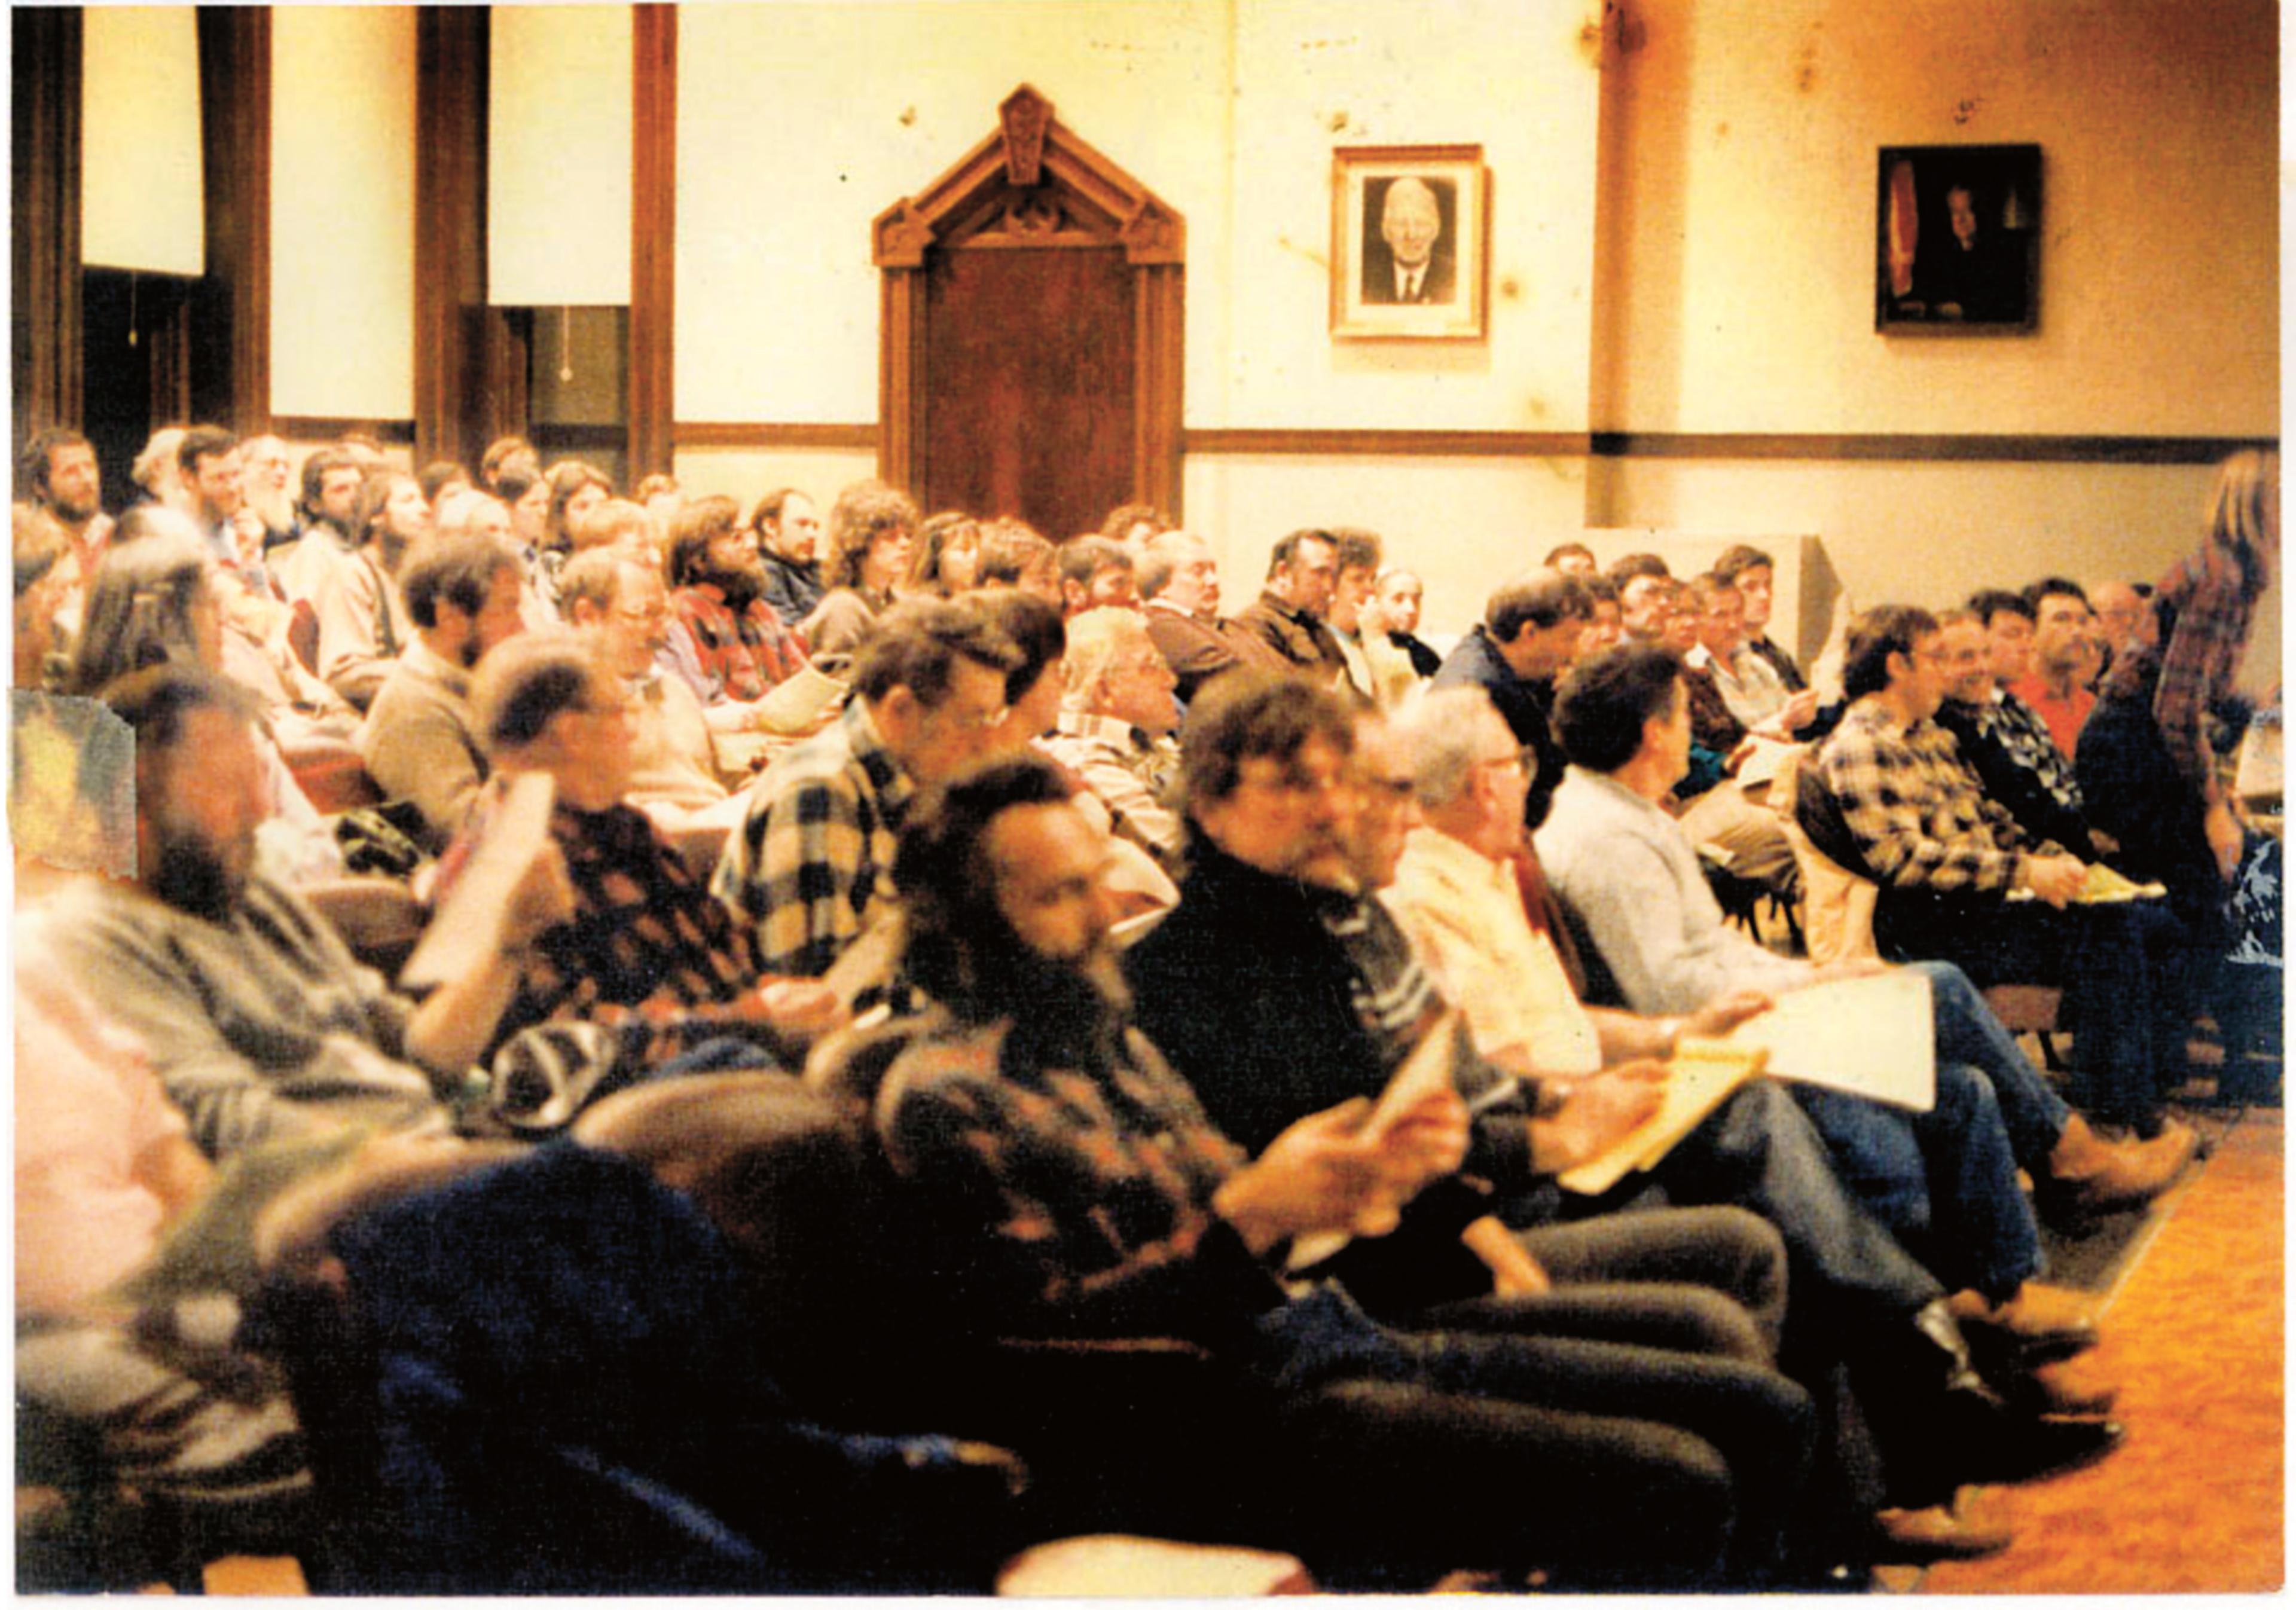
point(1032, 340)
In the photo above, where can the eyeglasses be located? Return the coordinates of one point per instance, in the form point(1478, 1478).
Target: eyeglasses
point(1290, 780)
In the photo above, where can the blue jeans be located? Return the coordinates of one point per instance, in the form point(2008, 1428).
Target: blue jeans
point(1847, 1273)
point(2127, 995)
point(1945, 1181)
point(1968, 1031)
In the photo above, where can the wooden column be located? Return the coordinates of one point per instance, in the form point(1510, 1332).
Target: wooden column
point(654, 238)
point(45, 374)
point(231, 313)
point(452, 57)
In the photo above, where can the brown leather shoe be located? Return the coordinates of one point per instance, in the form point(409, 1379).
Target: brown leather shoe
point(2046, 1321)
point(1963, 1530)
point(2086, 1175)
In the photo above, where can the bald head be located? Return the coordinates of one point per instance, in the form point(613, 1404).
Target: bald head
point(1410, 222)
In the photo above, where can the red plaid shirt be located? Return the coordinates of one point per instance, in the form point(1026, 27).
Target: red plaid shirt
point(2214, 594)
point(741, 656)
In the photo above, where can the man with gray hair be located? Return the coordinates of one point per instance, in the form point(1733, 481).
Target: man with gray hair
point(1180, 594)
point(1409, 263)
point(623, 600)
point(1456, 899)
point(1115, 728)
point(1528, 633)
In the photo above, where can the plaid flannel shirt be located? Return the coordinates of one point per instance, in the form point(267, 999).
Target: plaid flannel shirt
point(1075, 1197)
point(2214, 595)
point(647, 952)
point(815, 850)
point(1919, 814)
point(741, 656)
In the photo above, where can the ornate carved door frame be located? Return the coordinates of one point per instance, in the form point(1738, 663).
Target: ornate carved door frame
point(1033, 183)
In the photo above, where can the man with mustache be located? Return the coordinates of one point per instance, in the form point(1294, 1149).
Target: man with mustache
point(724, 638)
point(1066, 1186)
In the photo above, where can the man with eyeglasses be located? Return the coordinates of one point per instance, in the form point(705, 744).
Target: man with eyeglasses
point(1280, 985)
point(623, 600)
point(813, 857)
point(1960, 881)
point(643, 956)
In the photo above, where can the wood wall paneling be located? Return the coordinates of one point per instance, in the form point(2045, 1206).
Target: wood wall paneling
point(1915, 448)
point(44, 359)
point(451, 57)
point(1020, 425)
point(696, 433)
point(653, 237)
point(1813, 448)
point(506, 335)
point(231, 306)
point(1388, 444)
point(315, 427)
point(1031, 189)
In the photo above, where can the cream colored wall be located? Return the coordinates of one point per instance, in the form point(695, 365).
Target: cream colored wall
point(1228, 111)
point(1735, 150)
point(558, 156)
point(1516, 76)
point(798, 123)
point(1748, 209)
point(140, 182)
point(746, 475)
point(1739, 234)
point(1932, 533)
point(342, 211)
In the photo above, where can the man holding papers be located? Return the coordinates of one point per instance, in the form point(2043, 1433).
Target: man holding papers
point(1066, 1186)
point(1942, 1180)
point(1961, 881)
point(1277, 987)
point(644, 954)
point(1633, 884)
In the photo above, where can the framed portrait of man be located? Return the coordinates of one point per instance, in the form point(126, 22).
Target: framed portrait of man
point(1410, 241)
point(1959, 241)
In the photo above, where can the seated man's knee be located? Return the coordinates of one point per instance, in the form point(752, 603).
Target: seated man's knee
point(1965, 1096)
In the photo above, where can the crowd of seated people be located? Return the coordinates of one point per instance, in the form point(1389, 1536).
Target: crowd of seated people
point(1213, 1003)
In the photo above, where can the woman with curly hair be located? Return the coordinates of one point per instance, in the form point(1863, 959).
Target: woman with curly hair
point(872, 534)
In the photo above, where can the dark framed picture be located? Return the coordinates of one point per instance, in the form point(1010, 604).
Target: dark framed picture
point(1959, 239)
point(1410, 237)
